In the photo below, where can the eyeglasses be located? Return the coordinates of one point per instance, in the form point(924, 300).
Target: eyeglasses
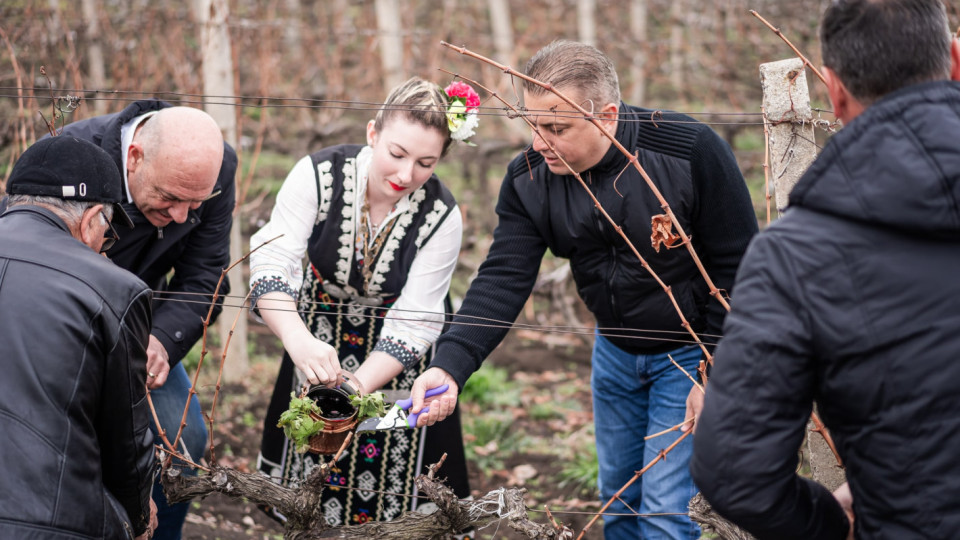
point(170, 198)
point(110, 236)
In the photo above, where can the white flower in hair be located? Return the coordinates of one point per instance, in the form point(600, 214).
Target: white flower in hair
point(462, 118)
point(468, 127)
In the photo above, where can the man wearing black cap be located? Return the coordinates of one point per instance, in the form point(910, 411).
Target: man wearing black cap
point(77, 451)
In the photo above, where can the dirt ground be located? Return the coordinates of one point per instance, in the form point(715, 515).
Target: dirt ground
point(541, 436)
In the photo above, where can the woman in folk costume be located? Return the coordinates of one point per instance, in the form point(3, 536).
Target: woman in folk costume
point(382, 235)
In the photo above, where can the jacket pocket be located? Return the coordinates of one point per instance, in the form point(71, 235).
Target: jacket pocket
point(33, 473)
point(116, 523)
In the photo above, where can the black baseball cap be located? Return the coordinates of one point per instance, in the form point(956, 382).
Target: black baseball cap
point(71, 169)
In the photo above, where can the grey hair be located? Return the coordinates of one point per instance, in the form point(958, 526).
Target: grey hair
point(571, 64)
point(70, 211)
point(419, 101)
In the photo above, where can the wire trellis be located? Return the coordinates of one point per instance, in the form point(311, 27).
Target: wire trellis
point(485, 322)
point(74, 96)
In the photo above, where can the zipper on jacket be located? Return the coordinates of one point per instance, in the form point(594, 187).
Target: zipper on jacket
point(614, 310)
point(610, 281)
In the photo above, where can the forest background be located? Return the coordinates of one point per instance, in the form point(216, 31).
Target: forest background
point(308, 74)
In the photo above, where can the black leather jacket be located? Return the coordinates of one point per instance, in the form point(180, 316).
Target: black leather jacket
point(75, 443)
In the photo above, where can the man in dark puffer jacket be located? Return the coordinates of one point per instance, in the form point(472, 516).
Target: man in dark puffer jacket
point(850, 301)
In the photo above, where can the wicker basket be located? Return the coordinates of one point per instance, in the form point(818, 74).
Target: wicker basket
point(335, 430)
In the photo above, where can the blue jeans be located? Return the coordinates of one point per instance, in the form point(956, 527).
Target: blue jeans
point(635, 396)
point(169, 400)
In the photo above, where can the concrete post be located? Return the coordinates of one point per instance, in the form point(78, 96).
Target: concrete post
point(786, 100)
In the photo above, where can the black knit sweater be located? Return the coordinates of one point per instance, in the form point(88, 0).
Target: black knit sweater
point(698, 176)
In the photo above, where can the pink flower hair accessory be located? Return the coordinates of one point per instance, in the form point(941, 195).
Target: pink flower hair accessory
point(463, 104)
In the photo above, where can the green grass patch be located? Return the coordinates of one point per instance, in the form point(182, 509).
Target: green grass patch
point(491, 386)
point(250, 420)
point(749, 140)
point(271, 171)
point(545, 411)
point(580, 466)
point(488, 439)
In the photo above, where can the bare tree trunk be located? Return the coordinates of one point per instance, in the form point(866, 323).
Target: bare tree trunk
point(502, 27)
point(698, 24)
point(587, 21)
point(97, 75)
point(444, 30)
point(501, 24)
point(218, 81)
point(291, 34)
point(53, 21)
point(638, 64)
point(391, 42)
point(676, 47)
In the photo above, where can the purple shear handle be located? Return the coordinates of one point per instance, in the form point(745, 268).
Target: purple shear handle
point(405, 404)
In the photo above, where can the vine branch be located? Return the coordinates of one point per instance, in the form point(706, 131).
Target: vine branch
point(787, 41)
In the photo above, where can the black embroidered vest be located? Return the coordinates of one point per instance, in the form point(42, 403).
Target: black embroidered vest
point(331, 247)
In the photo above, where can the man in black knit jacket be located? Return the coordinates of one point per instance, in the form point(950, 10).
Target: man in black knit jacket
point(636, 389)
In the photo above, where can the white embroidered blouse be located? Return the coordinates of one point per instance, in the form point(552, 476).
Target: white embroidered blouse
point(416, 318)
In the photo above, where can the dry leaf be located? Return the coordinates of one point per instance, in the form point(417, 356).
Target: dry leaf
point(662, 232)
point(521, 473)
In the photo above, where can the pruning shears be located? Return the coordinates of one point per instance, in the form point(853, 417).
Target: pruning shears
point(396, 417)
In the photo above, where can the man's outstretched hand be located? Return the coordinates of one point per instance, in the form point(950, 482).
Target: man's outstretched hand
point(845, 498)
point(694, 407)
point(158, 364)
point(441, 406)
